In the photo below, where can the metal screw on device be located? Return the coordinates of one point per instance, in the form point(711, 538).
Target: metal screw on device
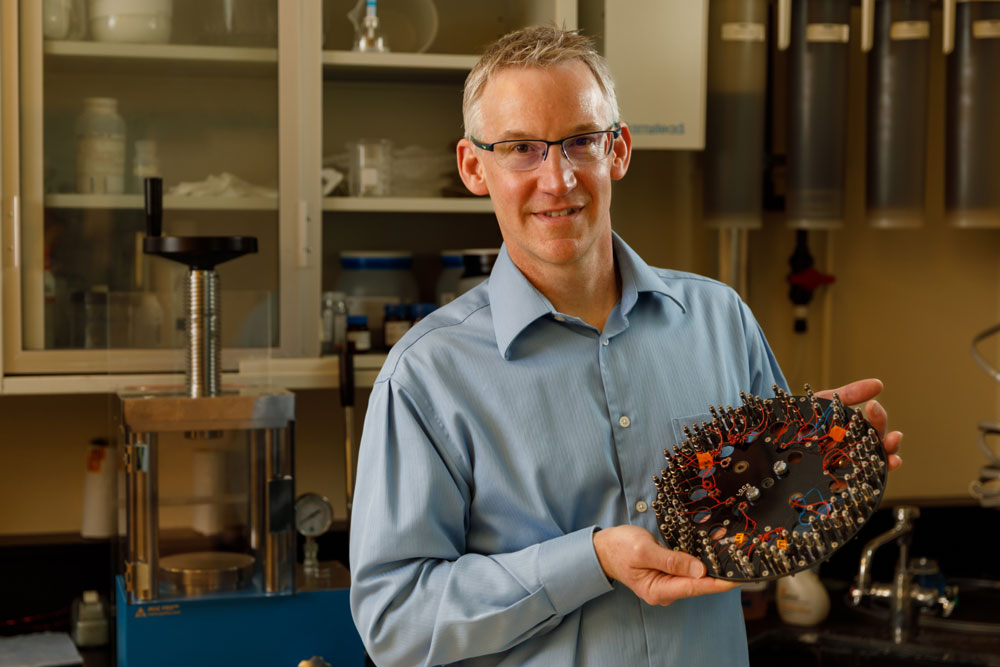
point(201, 254)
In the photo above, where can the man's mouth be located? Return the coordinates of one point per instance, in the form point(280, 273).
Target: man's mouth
point(560, 213)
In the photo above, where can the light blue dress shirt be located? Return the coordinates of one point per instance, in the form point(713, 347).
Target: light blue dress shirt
point(500, 434)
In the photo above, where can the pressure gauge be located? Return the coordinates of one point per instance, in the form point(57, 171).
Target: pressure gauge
point(313, 514)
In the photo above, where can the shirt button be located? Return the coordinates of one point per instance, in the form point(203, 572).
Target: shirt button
point(625, 421)
point(559, 318)
point(605, 341)
point(641, 506)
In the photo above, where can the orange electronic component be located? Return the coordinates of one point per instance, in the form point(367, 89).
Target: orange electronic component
point(781, 544)
point(705, 460)
point(837, 433)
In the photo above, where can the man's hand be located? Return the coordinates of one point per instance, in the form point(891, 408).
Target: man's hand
point(867, 390)
point(658, 575)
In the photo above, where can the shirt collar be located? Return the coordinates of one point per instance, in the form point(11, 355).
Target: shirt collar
point(515, 303)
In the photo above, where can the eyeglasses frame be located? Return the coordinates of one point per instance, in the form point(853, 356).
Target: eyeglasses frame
point(615, 130)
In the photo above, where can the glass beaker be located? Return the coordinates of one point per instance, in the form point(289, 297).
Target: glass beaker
point(370, 173)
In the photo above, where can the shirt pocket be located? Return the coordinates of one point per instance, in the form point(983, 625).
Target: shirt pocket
point(678, 423)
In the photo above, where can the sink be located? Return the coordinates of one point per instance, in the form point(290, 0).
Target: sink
point(977, 610)
point(826, 648)
point(860, 637)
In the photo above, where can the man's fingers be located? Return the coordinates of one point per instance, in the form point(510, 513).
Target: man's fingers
point(680, 564)
point(876, 416)
point(891, 442)
point(669, 589)
point(855, 392)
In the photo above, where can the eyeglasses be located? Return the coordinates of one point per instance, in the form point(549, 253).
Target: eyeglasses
point(528, 154)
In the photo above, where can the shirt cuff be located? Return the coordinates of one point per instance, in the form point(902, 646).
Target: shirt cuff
point(570, 571)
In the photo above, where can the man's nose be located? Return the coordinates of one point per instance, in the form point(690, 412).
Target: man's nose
point(556, 173)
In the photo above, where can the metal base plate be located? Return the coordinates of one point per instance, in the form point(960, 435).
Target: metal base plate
point(201, 572)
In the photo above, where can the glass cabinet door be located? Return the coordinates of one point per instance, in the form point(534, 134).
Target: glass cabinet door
point(395, 212)
point(101, 96)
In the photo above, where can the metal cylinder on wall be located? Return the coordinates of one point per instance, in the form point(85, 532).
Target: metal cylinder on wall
point(734, 134)
point(971, 35)
point(815, 33)
point(896, 36)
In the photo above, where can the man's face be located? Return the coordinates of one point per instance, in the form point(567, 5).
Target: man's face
point(558, 213)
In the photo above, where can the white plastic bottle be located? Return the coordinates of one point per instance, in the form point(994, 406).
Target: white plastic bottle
point(802, 599)
point(100, 147)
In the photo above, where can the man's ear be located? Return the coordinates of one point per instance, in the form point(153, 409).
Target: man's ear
point(470, 168)
point(621, 154)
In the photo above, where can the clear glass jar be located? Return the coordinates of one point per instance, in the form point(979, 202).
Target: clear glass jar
point(370, 170)
point(100, 147)
point(333, 320)
point(372, 279)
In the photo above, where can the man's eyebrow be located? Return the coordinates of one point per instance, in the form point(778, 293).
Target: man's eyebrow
point(520, 134)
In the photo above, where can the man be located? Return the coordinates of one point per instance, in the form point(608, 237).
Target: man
point(502, 511)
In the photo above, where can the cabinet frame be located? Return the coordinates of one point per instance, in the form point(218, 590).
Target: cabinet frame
point(298, 204)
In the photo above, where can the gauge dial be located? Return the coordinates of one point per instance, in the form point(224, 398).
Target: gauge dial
point(313, 514)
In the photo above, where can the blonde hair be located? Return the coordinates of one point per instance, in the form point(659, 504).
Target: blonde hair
point(534, 47)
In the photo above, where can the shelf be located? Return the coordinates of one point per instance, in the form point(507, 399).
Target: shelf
point(169, 202)
point(311, 373)
point(105, 57)
point(89, 384)
point(397, 66)
point(409, 204)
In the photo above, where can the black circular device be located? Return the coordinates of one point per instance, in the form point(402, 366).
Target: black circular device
point(201, 253)
point(772, 487)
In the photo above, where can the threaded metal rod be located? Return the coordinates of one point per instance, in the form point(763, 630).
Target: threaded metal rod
point(204, 361)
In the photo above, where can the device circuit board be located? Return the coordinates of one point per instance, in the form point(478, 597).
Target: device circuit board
point(772, 487)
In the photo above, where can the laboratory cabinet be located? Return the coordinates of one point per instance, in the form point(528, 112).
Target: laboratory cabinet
point(254, 122)
point(91, 106)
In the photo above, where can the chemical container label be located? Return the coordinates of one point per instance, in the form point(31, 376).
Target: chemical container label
point(828, 32)
point(743, 32)
point(986, 29)
point(903, 30)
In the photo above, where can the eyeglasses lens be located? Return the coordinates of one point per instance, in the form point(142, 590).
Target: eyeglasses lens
point(526, 155)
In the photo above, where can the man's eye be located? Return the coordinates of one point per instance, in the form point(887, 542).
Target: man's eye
point(585, 140)
point(522, 148)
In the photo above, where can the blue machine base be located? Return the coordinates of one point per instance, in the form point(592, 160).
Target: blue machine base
point(255, 630)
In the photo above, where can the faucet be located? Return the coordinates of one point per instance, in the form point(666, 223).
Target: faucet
point(903, 593)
